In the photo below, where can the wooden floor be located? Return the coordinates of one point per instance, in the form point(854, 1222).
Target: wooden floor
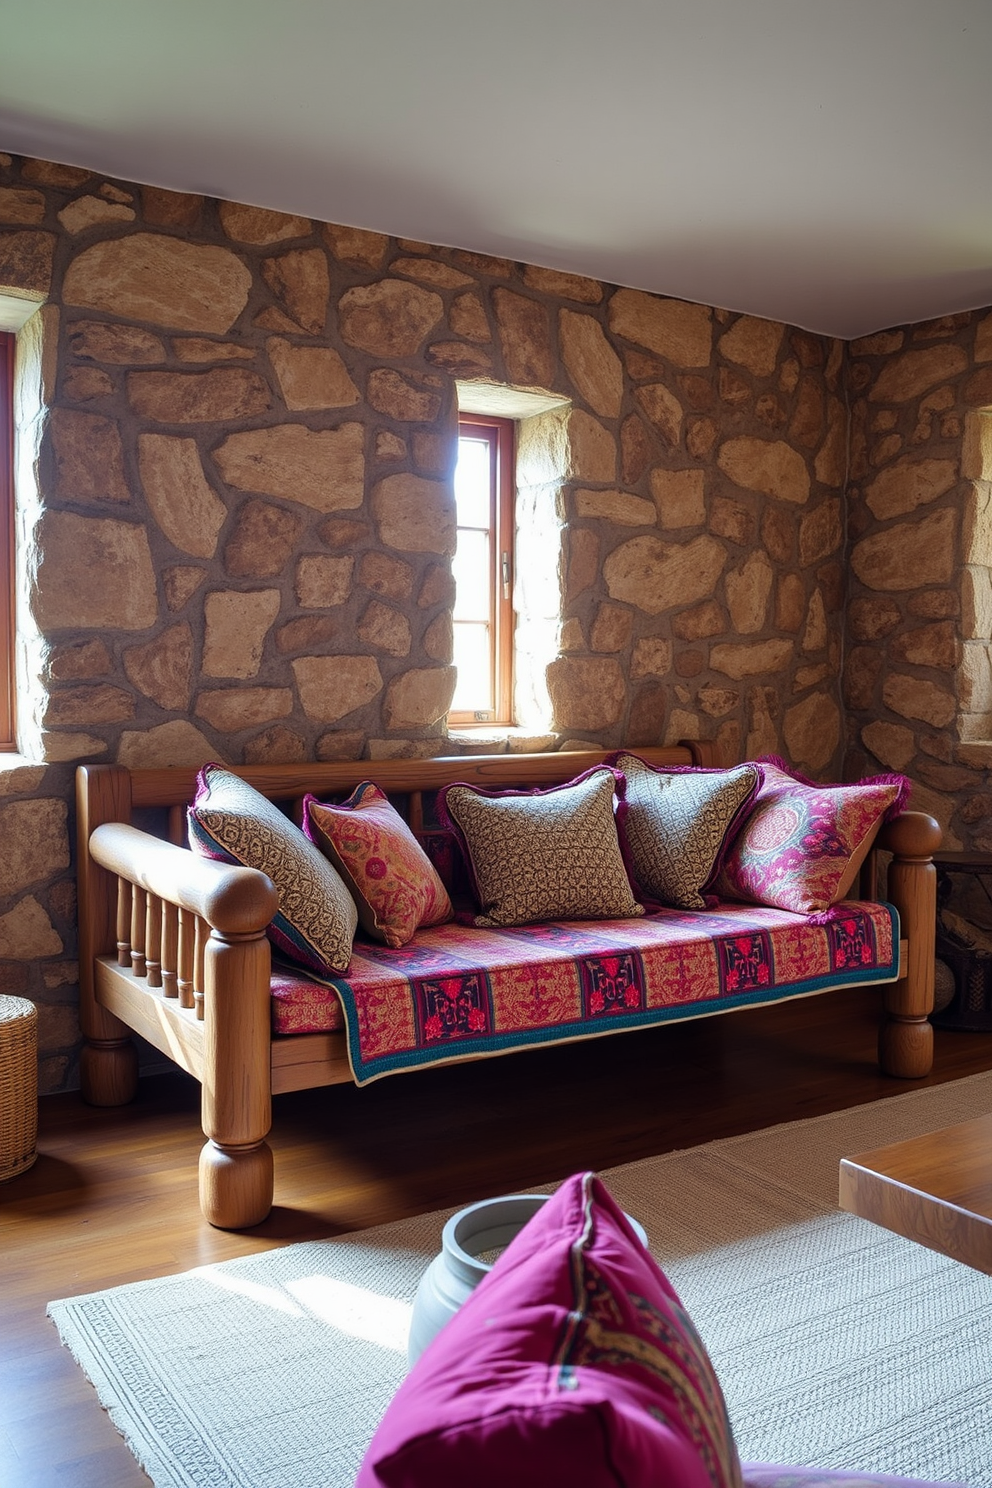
point(112, 1197)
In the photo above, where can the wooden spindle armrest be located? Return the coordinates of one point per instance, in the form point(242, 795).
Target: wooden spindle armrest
point(233, 900)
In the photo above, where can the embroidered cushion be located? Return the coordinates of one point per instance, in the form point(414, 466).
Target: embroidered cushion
point(573, 1362)
point(802, 845)
point(676, 824)
point(395, 888)
point(232, 821)
point(544, 854)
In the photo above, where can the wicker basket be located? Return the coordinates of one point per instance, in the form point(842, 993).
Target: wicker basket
point(18, 1085)
point(970, 1008)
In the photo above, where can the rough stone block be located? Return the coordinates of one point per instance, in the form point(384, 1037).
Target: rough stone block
point(591, 362)
point(89, 461)
point(182, 501)
point(263, 541)
point(320, 468)
point(162, 280)
point(586, 692)
point(414, 515)
point(812, 731)
point(36, 843)
point(301, 282)
point(908, 554)
point(770, 466)
point(311, 377)
point(911, 697)
point(331, 687)
point(389, 318)
point(680, 332)
point(753, 343)
point(656, 576)
point(236, 626)
point(231, 709)
point(93, 573)
point(223, 394)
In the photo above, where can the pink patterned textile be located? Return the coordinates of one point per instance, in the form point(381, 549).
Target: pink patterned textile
point(456, 990)
point(802, 844)
point(395, 886)
point(301, 1005)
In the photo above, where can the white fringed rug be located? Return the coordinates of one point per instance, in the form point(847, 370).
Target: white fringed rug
point(837, 1344)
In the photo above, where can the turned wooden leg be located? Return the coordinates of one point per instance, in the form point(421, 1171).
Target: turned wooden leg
point(108, 1071)
point(905, 1041)
point(236, 1175)
point(905, 1047)
point(236, 1184)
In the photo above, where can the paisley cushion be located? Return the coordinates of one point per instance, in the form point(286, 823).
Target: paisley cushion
point(232, 821)
point(677, 823)
point(573, 1362)
point(390, 876)
point(544, 854)
point(802, 845)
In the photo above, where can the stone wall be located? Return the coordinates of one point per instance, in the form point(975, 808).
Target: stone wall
point(917, 677)
point(238, 432)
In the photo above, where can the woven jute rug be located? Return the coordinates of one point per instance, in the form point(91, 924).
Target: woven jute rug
point(837, 1344)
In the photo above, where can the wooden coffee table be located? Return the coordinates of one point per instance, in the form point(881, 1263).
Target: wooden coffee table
point(935, 1189)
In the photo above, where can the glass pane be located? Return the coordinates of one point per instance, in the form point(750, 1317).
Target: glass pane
point(474, 689)
point(473, 578)
point(472, 482)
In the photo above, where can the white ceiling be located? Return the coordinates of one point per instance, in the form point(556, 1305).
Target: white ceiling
point(823, 162)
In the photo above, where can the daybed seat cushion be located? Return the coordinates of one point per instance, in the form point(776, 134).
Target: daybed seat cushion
point(456, 991)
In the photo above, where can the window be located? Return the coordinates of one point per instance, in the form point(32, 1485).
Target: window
point(483, 569)
point(6, 541)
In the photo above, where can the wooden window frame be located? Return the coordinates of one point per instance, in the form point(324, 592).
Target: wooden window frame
point(7, 595)
point(500, 434)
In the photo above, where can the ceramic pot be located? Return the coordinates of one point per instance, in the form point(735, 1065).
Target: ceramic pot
point(468, 1241)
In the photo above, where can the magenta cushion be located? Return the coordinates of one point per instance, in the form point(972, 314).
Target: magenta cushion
point(763, 1475)
point(802, 844)
point(572, 1363)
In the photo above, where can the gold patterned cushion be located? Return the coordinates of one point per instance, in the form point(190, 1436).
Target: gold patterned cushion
point(232, 821)
point(675, 823)
point(546, 854)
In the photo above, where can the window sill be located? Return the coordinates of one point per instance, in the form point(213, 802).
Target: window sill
point(500, 739)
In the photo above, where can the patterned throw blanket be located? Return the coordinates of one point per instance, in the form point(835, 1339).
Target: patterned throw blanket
point(456, 991)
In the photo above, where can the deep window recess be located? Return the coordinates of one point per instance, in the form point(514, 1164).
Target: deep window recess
point(483, 568)
point(6, 542)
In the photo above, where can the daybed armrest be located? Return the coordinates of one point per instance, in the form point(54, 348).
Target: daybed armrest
point(905, 1045)
point(196, 929)
point(233, 900)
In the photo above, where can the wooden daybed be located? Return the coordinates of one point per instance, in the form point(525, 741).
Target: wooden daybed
point(173, 946)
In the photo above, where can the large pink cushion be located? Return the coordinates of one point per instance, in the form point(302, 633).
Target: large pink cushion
point(802, 844)
point(572, 1363)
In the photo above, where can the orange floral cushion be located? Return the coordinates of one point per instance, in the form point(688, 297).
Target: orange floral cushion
point(394, 885)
